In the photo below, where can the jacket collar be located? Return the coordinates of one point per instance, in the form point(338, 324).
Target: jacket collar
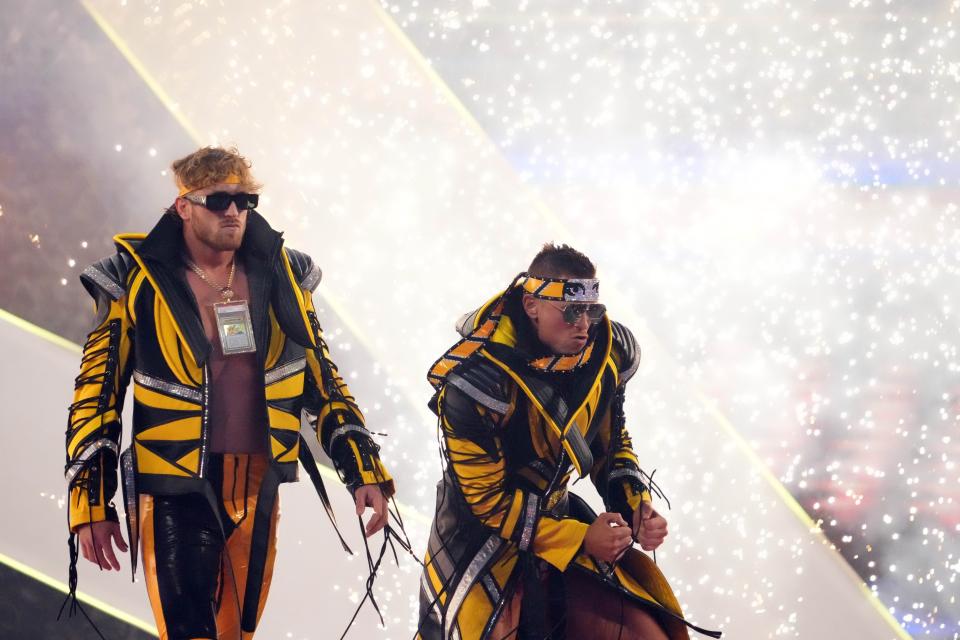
point(164, 243)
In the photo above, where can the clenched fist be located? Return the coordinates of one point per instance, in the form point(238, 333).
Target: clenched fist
point(649, 527)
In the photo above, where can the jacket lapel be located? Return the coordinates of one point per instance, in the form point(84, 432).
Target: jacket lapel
point(162, 251)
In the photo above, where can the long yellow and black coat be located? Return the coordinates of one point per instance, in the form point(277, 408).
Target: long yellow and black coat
point(148, 329)
point(511, 441)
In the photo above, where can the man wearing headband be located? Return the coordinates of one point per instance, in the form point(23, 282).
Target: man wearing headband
point(533, 393)
point(212, 318)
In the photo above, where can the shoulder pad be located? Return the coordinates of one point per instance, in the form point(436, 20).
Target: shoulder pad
point(484, 382)
point(305, 270)
point(628, 349)
point(108, 275)
point(464, 325)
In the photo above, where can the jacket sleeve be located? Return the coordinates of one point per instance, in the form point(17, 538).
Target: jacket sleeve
point(616, 471)
point(473, 450)
point(337, 419)
point(93, 423)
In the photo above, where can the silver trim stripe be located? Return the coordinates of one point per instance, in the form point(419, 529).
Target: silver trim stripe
point(343, 430)
point(626, 472)
point(171, 388)
point(469, 577)
point(312, 279)
point(486, 400)
point(78, 463)
point(428, 591)
point(284, 370)
point(491, 586)
point(529, 521)
point(101, 279)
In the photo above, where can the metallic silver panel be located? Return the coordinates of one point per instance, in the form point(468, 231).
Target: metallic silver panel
point(486, 400)
point(78, 463)
point(171, 388)
point(312, 279)
point(104, 281)
point(469, 577)
point(342, 430)
point(284, 370)
point(581, 290)
point(626, 472)
point(427, 589)
point(529, 521)
point(491, 586)
point(464, 324)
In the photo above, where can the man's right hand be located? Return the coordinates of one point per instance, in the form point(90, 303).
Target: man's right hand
point(608, 537)
point(96, 543)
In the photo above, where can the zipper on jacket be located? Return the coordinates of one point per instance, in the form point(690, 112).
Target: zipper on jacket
point(204, 419)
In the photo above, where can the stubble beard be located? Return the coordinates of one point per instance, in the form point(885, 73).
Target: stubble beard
point(219, 238)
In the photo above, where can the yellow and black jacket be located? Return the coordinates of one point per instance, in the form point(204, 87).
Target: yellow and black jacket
point(148, 329)
point(512, 435)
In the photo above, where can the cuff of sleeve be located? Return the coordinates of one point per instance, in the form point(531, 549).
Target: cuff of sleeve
point(359, 463)
point(82, 513)
point(634, 498)
point(559, 540)
point(380, 476)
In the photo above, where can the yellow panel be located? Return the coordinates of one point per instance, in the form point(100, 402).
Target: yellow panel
point(287, 388)
point(183, 429)
point(132, 294)
point(292, 455)
point(474, 612)
point(464, 349)
point(283, 420)
point(303, 297)
point(168, 337)
point(191, 461)
point(558, 541)
point(435, 582)
point(148, 462)
point(276, 342)
point(151, 398)
point(634, 586)
point(78, 436)
point(503, 568)
point(275, 447)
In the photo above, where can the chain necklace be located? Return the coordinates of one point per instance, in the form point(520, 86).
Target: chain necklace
point(225, 291)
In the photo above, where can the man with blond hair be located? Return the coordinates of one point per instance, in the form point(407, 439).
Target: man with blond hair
point(212, 317)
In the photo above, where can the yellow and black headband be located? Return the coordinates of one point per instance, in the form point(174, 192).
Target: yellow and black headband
point(187, 188)
point(562, 289)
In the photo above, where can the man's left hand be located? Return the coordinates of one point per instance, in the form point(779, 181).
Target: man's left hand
point(370, 495)
point(649, 527)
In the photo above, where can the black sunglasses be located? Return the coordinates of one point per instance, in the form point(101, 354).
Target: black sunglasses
point(573, 310)
point(220, 201)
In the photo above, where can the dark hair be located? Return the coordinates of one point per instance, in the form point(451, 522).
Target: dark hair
point(557, 262)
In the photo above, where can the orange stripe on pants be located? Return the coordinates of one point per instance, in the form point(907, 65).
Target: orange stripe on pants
point(240, 504)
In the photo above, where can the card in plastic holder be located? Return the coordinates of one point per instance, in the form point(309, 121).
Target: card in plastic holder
point(234, 327)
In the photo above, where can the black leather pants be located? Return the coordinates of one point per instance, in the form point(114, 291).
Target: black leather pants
point(201, 561)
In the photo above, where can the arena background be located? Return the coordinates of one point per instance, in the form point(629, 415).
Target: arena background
point(768, 186)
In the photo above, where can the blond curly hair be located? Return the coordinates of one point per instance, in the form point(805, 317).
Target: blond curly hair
point(210, 165)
